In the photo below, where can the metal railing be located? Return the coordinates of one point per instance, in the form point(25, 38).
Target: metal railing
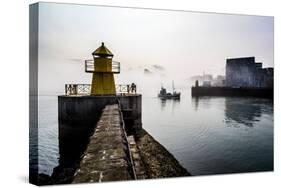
point(77, 89)
point(85, 89)
point(90, 67)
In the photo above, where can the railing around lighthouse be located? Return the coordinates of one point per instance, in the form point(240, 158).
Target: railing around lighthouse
point(85, 89)
point(77, 89)
point(90, 67)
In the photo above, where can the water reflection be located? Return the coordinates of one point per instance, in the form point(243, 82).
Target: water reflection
point(195, 102)
point(163, 103)
point(237, 110)
point(201, 102)
point(244, 111)
point(173, 102)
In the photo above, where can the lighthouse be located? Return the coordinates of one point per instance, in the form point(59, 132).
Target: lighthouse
point(103, 69)
point(80, 108)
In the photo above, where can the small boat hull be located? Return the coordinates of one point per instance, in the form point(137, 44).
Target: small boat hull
point(169, 96)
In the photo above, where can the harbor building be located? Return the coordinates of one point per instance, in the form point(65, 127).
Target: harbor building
point(245, 72)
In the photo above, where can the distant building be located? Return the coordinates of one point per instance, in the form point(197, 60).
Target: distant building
point(207, 77)
point(196, 77)
point(206, 83)
point(266, 77)
point(245, 72)
point(219, 81)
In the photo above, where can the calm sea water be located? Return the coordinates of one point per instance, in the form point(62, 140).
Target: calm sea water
point(207, 135)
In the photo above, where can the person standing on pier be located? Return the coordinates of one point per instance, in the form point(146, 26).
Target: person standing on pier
point(133, 88)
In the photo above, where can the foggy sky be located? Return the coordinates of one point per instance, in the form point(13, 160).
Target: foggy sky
point(172, 45)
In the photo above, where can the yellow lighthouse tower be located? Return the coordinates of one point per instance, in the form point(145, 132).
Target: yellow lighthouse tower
point(103, 69)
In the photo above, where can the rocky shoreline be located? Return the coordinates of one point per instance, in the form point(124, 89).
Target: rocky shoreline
point(157, 160)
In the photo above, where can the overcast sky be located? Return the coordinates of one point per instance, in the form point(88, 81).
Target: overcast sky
point(169, 45)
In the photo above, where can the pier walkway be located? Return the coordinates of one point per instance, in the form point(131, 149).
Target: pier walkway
point(108, 156)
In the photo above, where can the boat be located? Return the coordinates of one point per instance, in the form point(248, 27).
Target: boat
point(163, 94)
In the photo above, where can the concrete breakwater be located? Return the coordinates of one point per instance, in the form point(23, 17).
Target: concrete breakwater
point(113, 147)
point(111, 155)
point(229, 91)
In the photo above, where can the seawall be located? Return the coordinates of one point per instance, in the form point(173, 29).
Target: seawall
point(229, 91)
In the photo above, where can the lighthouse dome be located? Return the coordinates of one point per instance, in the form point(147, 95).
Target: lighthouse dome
point(102, 51)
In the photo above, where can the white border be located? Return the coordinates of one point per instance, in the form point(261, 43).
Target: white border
point(14, 91)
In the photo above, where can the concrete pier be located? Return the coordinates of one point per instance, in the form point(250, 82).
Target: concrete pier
point(107, 157)
point(78, 116)
point(101, 139)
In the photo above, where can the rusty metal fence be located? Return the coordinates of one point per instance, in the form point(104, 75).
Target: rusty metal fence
point(85, 89)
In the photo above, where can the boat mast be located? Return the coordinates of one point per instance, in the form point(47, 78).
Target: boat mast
point(173, 86)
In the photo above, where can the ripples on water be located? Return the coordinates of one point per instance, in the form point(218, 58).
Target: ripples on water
point(208, 135)
point(47, 135)
point(213, 135)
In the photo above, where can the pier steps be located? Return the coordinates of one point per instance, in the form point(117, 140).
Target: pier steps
point(137, 162)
